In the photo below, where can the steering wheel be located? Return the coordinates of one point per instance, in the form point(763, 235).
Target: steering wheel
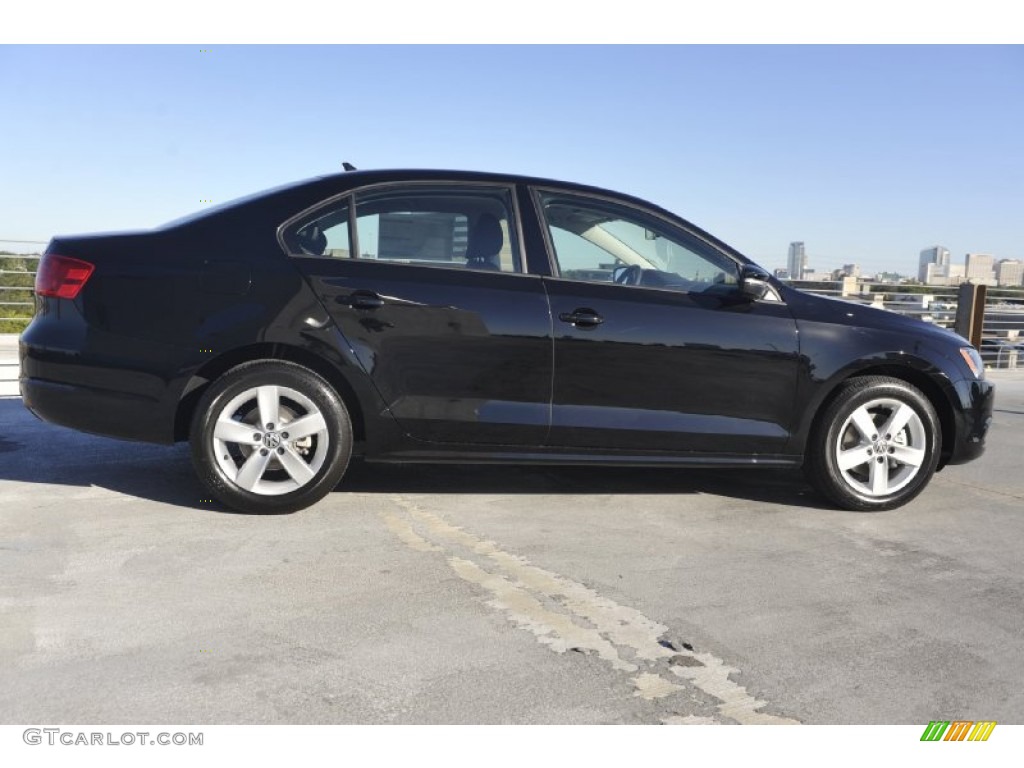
point(630, 275)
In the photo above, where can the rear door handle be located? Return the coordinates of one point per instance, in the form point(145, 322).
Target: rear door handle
point(364, 300)
point(582, 318)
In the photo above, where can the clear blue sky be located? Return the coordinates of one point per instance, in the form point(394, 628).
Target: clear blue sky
point(867, 154)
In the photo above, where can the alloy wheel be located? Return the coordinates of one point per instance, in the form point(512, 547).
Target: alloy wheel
point(881, 447)
point(270, 440)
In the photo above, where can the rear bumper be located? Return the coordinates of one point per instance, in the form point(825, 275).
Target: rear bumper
point(100, 393)
point(87, 409)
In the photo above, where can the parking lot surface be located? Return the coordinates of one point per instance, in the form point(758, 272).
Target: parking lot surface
point(445, 594)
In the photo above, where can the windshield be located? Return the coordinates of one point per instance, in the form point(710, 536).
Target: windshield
point(595, 241)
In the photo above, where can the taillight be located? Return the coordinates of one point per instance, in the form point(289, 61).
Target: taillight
point(62, 276)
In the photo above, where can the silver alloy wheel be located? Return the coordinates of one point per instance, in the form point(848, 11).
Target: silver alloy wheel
point(881, 447)
point(270, 440)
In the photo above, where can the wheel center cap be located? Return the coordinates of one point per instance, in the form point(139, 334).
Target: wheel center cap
point(881, 446)
point(271, 440)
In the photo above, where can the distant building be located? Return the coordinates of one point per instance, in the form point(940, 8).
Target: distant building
point(782, 274)
point(847, 270)
point(980, 268)
point(1010, 272)
point(933, 265)
point(889, 277)
point(797, 261)
point(956, 274)
point(938, 274)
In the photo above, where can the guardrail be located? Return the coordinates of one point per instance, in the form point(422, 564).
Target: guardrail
point(992, 318)
point(17, 278)
point(1002, 332)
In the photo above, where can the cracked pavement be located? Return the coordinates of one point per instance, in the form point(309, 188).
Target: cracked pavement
point(444, 594)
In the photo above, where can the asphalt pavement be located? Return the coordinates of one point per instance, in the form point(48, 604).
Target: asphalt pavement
point(426, 594)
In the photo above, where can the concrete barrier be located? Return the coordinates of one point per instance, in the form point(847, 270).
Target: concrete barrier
point(9, 365)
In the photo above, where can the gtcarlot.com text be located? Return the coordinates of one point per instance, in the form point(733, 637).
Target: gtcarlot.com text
point(54, 736)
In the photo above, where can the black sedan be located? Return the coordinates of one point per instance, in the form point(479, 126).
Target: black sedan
point(425, 316)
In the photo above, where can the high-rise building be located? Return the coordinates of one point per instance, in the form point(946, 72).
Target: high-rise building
point(936, 255)
point(1010, 272)
point(797, 261)
point(934, 274)
point(979, 268)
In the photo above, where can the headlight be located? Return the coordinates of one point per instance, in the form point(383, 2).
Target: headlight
point(973, 360)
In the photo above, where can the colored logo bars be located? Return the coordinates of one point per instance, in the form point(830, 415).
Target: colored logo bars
point(958, 730)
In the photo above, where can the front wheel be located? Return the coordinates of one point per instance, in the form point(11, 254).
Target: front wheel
point(875, 446)
point(270, 437)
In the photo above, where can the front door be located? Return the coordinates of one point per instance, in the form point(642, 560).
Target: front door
point(655, 349)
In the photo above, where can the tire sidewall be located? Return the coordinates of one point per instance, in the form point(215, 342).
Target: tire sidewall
point(830, 478)
point(259, 373)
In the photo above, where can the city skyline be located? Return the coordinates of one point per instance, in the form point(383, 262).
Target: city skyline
point(935, 267)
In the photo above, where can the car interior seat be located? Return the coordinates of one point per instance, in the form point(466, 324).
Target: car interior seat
point(311, 240)
point(484, 242)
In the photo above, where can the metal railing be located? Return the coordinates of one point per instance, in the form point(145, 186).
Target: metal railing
point(1002, 333)
point(1000, 338)
point(17, 278)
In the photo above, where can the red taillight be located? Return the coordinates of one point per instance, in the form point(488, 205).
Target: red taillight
point(62, 276)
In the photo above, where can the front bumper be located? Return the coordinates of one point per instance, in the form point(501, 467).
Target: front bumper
point(973, 419)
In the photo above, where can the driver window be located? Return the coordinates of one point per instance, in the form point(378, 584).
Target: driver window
point(603, 242)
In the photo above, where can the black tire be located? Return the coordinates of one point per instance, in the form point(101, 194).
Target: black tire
point(881, 470)
point(257, 469)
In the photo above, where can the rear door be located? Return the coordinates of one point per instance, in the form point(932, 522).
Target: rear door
point(427, 285)
point(655, 349)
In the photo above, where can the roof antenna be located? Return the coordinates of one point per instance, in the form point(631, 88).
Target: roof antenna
point(348, 166)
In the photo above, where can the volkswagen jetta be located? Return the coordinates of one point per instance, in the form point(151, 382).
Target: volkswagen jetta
point(452, 316)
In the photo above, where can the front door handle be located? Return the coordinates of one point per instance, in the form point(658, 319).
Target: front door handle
point(582, 318)
point(364, 300)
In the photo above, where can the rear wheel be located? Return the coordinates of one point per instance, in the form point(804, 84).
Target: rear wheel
point(270, 437)
point(875, 446)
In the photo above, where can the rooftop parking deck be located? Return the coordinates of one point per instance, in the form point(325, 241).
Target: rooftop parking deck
point(496, 594)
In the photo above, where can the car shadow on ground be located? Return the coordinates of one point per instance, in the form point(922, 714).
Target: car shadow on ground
point(758, 485)
point(35, 452)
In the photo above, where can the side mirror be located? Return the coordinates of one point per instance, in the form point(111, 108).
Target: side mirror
point(754, 282)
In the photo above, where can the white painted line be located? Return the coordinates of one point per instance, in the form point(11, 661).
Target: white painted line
point(565, 615)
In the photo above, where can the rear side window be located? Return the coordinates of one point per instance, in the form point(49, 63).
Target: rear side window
point(324, 233)
point(444, 226)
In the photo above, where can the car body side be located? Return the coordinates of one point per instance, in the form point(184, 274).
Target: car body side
point(170, 310)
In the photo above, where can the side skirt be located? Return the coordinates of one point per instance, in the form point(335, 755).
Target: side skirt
point(460, 456)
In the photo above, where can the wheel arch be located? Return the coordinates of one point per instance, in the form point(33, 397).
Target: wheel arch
point(218, 366)
point(929, 382)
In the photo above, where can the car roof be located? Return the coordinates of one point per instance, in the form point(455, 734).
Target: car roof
point(357, 178)
point(301, 194)
point(320, 187)
point(381, 176)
